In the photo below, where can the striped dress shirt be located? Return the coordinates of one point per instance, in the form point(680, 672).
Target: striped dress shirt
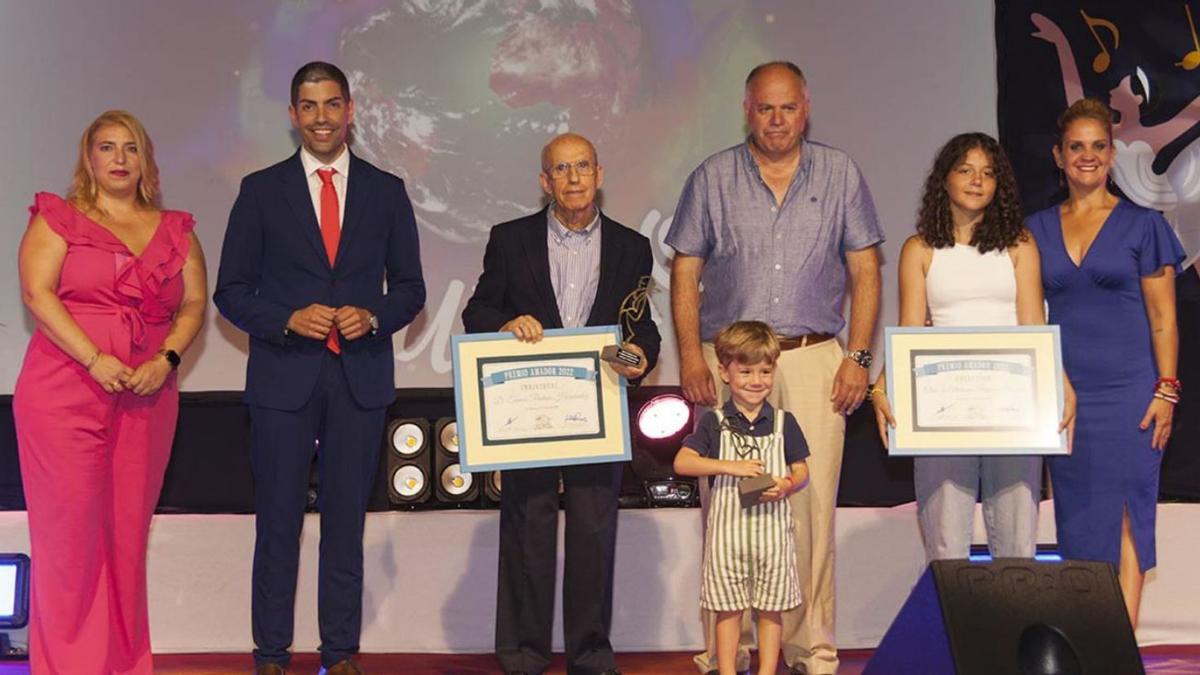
point(574, 267)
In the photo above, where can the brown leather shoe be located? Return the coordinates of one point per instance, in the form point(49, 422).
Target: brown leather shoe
point(344, 667)
point(269, 669)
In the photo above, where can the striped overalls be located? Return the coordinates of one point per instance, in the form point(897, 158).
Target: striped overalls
point(749, 554)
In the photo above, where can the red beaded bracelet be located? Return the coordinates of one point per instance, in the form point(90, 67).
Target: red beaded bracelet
point(1171, 382)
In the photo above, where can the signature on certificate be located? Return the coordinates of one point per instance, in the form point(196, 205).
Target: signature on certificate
point(575, 417)
point(946, 408)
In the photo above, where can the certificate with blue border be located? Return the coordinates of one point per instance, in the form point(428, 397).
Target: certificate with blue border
point(551, 403)
point(975, 391)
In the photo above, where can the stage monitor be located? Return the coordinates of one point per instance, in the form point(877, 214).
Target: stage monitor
point(14, 590)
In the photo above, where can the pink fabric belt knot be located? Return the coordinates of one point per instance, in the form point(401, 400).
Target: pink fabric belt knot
point(134, 319)
point(137, 325)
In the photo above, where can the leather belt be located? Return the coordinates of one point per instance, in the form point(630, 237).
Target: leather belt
point(799, 341)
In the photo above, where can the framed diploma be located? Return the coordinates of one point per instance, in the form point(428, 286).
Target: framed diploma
point(550, 403)
point(975, 391)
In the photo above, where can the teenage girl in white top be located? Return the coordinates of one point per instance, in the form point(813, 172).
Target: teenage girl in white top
point(972, 263)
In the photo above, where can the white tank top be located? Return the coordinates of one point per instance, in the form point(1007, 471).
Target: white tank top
point(967, 288)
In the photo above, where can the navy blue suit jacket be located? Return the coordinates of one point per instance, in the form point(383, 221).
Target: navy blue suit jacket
point(516, 280)
point(273, 262)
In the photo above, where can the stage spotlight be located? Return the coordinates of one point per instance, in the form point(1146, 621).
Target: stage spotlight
point(453, 486)
point(492, 487)
point(663, 421)
point(14, 599)
point(409, 481)
point(448, 436)
point(455, 483)
point(407, 446)
point(663, 417)
point(408, 437)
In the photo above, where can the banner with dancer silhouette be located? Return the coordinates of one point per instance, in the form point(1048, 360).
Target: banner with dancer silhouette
point(1143, 60)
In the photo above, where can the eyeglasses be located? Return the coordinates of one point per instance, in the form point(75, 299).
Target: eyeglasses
point(583, 167)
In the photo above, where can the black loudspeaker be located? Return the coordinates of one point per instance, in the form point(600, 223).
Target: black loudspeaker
point(451, 485)
point(1010, 616)
point(407, 446)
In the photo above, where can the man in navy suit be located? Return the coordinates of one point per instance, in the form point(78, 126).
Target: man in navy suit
point(566, 266)
point(310, 243)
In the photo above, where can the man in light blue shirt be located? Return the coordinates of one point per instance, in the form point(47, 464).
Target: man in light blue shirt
point(773, 228)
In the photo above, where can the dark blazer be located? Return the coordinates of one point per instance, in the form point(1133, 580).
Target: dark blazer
point(516, 280)
point(273, 262)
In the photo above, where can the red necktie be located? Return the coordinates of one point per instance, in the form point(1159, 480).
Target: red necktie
point(331, 231)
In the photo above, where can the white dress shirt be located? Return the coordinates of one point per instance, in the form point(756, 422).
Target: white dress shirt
point(341, 165)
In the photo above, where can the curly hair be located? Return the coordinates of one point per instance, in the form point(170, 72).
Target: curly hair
point(1003, 223)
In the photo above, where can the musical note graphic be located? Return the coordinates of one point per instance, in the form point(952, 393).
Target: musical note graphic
point(1192, 59)
point(1103, 59)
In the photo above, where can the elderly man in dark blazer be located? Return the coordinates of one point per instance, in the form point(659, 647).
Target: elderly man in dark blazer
point(310, 243)
point(566, 266)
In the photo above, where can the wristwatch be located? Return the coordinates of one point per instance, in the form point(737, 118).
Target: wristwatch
point(172, 357)
point(374, 323)
point(862, 357)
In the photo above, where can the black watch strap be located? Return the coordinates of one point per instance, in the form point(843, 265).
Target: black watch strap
point(172, 357)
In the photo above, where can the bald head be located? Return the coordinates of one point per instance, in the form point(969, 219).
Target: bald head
point(570, 176)
point(775, 69)
point(566, 140)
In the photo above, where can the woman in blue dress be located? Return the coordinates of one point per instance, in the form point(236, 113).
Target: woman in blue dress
point(1108, 268)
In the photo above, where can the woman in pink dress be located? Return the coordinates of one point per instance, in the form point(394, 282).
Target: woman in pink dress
point(116, 286)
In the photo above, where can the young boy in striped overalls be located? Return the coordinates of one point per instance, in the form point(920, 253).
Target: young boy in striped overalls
point(749, 553)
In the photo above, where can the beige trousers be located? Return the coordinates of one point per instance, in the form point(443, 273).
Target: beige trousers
point(803, 384)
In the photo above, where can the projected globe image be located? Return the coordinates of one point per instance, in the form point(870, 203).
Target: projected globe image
point(459, 97)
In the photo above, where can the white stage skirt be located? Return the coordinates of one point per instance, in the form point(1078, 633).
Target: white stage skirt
point(431, 579)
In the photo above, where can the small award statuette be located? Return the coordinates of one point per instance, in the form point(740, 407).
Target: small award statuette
point(750, 490)
point(633, 308)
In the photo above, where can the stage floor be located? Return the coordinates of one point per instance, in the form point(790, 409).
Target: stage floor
point(1160, 660)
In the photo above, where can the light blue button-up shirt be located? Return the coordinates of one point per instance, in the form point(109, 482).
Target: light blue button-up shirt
point(783, 264)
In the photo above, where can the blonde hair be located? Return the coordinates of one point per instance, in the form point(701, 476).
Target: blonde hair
point(1085, 109)
point(84, 189)
point(747, 342)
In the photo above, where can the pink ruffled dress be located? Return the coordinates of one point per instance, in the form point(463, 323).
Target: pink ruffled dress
point(92, 463)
